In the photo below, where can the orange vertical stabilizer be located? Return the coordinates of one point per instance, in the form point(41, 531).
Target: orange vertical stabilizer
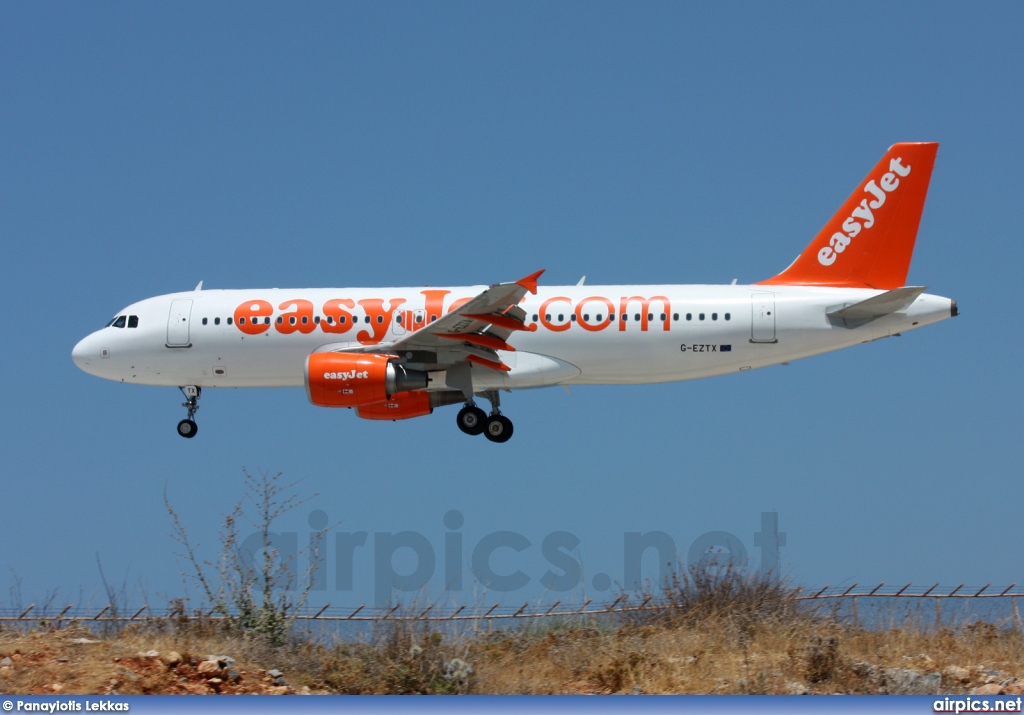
point(870, 240)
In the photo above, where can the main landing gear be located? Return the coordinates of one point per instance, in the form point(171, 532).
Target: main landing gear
point(188, 427)
point(496, 426)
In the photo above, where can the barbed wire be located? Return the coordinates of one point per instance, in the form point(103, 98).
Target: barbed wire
point(622, 604)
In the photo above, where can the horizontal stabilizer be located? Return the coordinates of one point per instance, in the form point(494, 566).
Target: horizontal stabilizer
point(857, 314)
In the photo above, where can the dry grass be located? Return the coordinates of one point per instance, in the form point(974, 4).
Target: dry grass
point(714, 633)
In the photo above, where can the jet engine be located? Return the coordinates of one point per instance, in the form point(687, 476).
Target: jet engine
point(351, 380)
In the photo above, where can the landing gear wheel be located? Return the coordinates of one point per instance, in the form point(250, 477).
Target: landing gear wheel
point(499, 428)
point(471, 419)
point(188, 428)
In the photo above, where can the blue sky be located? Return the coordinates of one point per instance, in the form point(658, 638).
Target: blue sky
point(147, 146)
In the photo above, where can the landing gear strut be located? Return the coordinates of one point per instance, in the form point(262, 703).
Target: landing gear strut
point(188, 427)
point(496, 426)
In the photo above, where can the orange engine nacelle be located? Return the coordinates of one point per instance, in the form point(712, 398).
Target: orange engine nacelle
point(352, 380)
point(402, 406)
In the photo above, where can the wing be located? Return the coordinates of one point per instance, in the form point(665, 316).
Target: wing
point(472, 333)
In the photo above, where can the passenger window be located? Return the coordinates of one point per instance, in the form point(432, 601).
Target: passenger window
point(342, 319)
point(572, 317)
point(547, 317)
point(728, 317)
point(714, 316)
point(204, 321)
point(133, 321)
point(663, 316)
point(419, 319)
point(268, 321)
point(216, 321)
point(561, 317)
point(119, 323)
point(702, 316)
point(689, 316)
point(650, 316)
point(366, 319)
point(305, 320)
point(535, 317)
point(675, 317)
point(434, 317)
point(586, 317)
point(611, 316)
point(292, 320)
point(280, 320)
point(317, 320)
point(636, 317)
point(398, 320)
point(330, 320)
point(380, 319)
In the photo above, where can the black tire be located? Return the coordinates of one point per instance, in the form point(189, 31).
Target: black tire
point(499, 429)
point(471, 420)
point(187, 429)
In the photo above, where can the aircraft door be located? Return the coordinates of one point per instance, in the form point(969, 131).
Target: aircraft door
point(177, 324)
point(762, 325)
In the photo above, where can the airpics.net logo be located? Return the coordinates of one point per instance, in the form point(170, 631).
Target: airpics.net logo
point(500, 561)
point(863, 215)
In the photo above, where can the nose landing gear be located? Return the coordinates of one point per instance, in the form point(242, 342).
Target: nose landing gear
point(496, 426)
point(188, 427)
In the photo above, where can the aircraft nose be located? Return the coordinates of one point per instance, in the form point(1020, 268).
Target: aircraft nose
point(85, 353)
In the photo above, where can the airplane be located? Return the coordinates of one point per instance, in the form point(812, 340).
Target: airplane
point(399, 353)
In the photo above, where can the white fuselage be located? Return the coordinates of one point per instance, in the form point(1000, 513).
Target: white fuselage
point(671, 332)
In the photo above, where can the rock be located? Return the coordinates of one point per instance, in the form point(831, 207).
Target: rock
point(83, 641)
point(56, 688)
point(956, 674)
point(126, 673)
point(865, 670)
point(209, 668)
point(6, 663)
point(902, 681)
point(172, 659)
point(234, 676)
point(275, 673)
point(215, 681)
point(281, 690)
point(226, 661)
point(796, 688)
point(989, 689)
point(150, 654)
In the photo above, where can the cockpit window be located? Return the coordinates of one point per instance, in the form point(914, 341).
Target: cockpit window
point(119, 321)
point(133, 321)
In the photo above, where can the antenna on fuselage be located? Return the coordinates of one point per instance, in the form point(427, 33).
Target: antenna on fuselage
point(199, 287)
point(582, 280)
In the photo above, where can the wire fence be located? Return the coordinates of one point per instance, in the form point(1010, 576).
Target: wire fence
point(851, 597)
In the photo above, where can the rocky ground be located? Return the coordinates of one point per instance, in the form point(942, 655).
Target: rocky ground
point(45, 663)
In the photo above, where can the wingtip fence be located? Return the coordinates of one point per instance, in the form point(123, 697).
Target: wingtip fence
point(621, 605)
